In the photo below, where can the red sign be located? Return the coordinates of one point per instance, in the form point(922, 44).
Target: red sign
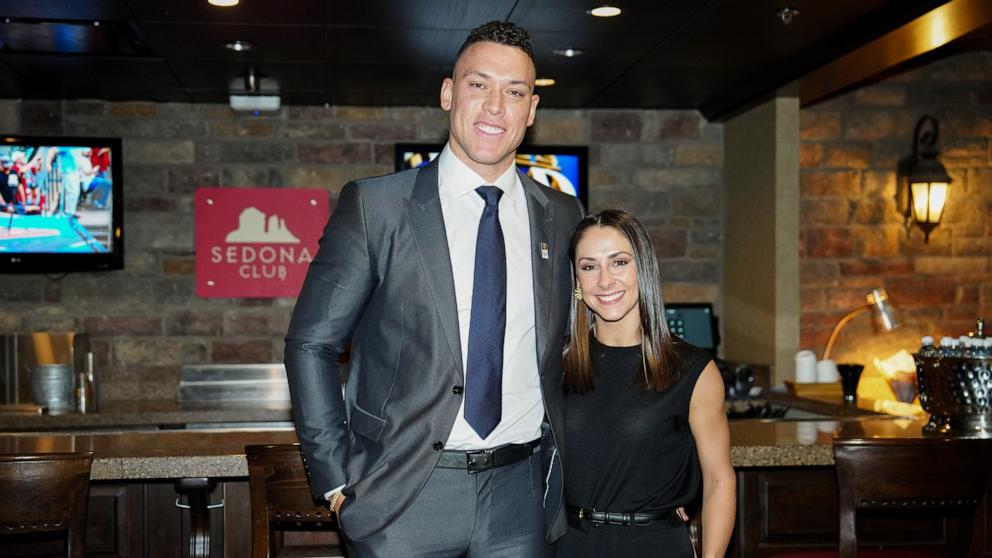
point(256, 242)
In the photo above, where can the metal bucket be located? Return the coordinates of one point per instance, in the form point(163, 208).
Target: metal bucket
point(52, 387)
point(957, 393)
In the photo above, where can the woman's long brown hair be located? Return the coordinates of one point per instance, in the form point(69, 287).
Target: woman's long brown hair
point(658, 353)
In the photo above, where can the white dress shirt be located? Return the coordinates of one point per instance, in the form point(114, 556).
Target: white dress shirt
point(461, 206)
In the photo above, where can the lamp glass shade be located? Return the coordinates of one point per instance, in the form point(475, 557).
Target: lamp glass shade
point(884, 315)
point(928, 201)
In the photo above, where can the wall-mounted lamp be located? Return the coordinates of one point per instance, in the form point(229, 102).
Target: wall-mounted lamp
point(923, 181)
point(884, 316)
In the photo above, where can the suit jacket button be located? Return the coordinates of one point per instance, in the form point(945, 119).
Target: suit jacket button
point(438, 446)
point(457, 390)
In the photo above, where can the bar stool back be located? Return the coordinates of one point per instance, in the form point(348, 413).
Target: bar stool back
point(280, 495)
point(46, 492)
point(881, 473)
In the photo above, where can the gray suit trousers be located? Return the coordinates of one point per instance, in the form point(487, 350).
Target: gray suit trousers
point(489, 514)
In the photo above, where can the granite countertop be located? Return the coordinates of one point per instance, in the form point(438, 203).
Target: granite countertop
point(804, 443)
point(162, 414)
point(219, 453)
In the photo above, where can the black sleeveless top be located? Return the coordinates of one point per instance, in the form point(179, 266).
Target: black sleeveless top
point(631, 449)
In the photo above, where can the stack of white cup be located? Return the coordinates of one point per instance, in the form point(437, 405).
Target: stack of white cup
point(826, 371)
point(805, 367)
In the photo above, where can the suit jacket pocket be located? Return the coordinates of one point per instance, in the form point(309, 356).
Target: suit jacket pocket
point(366, 424)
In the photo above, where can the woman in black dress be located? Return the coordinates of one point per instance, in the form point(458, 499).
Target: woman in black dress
point(646, 426)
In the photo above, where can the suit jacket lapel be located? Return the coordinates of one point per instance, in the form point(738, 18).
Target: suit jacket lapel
point(542, 239)
point(427, 223)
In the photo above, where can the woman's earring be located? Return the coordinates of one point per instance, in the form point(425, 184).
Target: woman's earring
point(578, 293)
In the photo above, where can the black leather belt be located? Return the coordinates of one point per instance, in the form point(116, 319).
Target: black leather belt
point(482, 460)
point(597, 518)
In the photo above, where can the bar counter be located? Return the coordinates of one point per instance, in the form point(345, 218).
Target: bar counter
point(219, 453)
point(145, 457)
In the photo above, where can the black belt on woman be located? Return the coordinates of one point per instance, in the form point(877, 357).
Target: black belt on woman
point(598, 518)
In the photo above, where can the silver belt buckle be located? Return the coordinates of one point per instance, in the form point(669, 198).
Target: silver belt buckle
point(477, 461)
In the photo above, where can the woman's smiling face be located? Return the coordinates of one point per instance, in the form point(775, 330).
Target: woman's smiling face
point(607, 273)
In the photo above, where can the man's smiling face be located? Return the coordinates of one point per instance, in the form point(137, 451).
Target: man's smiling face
point(491, 102)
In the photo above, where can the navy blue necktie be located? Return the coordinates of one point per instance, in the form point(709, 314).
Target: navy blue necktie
point(484, 371)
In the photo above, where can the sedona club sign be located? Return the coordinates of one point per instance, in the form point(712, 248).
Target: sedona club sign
point(256, 242)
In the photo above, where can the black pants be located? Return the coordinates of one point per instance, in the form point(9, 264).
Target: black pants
point(625, 541)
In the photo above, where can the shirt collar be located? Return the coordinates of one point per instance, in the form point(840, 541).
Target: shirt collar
point(458, 180)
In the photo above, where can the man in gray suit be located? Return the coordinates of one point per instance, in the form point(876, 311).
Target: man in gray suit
point(452, 283)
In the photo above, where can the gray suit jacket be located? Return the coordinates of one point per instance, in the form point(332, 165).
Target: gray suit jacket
point(382, 280)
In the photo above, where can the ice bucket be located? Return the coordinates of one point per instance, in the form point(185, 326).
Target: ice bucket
point(52, 386)
point(955, 391)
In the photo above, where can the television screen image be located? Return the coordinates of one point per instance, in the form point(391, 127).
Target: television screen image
point(60, 197)
point(562, 168)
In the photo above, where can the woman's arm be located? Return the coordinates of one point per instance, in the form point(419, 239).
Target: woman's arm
point(708, 421)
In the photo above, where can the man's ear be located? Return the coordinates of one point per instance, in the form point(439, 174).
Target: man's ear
point(447, 90)
point(534, 99)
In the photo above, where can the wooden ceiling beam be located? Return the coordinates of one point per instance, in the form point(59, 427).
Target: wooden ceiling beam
point(933, 30)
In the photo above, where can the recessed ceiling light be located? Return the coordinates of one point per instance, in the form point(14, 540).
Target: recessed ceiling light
point(544, 82)
point(568, 52)
point(787, 14)
point(239, 46)
point(223, 3)
point(605, 10)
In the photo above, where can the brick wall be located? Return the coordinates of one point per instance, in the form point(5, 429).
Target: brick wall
point(146, 321)
point(852, 236)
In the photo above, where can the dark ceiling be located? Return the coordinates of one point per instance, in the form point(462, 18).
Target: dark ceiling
point(717, 56)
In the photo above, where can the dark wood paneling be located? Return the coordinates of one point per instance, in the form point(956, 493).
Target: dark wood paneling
point(795, 509)
point(719, 56)
point(114, 526)
point(66, 9)
point(639, 16)
point(162, 521)
point(81, 76)
point(432, 14)
point(951, 22)
point(254, 11)
point(286, 43)
point(236, 518)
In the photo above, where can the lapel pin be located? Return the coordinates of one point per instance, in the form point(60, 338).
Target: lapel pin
point(544, 250)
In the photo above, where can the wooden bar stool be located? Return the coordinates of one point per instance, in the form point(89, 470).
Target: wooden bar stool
point(280, 497)
point(46, 492)
point(891, 473)
point(908, 475)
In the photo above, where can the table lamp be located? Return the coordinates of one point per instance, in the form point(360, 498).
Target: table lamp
point(884, 316)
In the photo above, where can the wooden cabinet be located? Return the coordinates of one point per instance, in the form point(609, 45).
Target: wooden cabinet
point(114, 520)
point(141, 520)
point(782, 510)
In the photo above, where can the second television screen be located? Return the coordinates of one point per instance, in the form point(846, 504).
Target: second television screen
point(562, 168)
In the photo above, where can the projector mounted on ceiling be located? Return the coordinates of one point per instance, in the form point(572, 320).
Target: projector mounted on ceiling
point(254, 95)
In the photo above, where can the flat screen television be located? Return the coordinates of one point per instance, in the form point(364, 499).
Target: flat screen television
point(561, 167)
point(61, 205)
point(695, 323)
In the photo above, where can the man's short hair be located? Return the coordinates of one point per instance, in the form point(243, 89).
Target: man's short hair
point(501, 33)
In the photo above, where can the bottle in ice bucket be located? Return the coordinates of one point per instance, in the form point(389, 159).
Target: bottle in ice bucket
point(926, 347)
point(946, 347)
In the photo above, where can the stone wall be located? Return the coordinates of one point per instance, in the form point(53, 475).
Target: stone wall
point(146, 321)
point(853, 237)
